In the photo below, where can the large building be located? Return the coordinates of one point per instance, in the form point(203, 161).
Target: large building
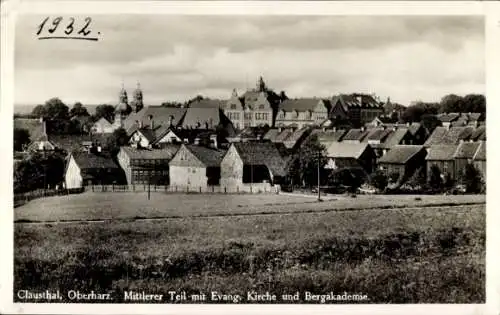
point(256, 107)
point(358, 108)
point(302, 112)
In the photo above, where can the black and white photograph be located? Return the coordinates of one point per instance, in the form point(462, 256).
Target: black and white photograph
point(249, 159)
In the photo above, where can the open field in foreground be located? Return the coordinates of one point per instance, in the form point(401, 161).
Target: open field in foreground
point(118, 205)
point(425, 255)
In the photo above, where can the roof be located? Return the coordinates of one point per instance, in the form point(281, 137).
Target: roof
point(283, 135)
point(479, 133)
point(401, 154)
point(379, 134)
point(342, 162)
point(251, 96)
point(207, 118)
point(72, 143)
point(300, 104)
point(208, 156)
point(271, 134)
point(481, 152)
point(436, 136)
point(353, 100)
point(466, 150)
point(262, 154)
point(328, 135)
point(165, 153)
point(160, 114)
point(206, 103)
point(86, 160)
point(355, 134)
point(103, 122)
point(396, 137)
point(294, 138)
point(448, 117)
point(441, 152)
point(34, 126)
point(345, 149)
point(414, 127)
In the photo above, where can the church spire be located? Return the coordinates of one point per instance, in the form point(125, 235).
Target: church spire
point(261, 85)
point(138, 102)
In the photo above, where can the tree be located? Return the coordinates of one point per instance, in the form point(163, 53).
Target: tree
point(379, 180)
point(417, 180)
point(21, 138)
point(346, 177)
point(415, 112)
point(304, 163)
point(474, 103)
point(106, 111)
point(39, 171)
point(283, 96)
point(430, 122)
point(471, 179)
point(56, 109)
point(435, 179)
point(78, 110)
point(38, 111)
point(394, 177)
point(451, 103)
point(116, 140)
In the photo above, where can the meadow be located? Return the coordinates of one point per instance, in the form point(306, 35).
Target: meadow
point(130, 205)
point(406, 255)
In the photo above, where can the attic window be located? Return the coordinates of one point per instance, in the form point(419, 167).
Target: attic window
point(261, 106)
point(233, 106)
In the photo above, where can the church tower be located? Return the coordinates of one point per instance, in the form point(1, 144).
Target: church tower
point(122, 109)
point(138, 103)
point(261, 85)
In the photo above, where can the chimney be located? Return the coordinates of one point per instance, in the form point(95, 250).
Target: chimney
point(152, 124)
point(171, 120)
point(280, 129)
point(359, 98)
point(363, 128)
point(394, 128)
point(334, 129)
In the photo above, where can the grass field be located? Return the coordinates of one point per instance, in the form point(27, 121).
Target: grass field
point(424, 255)
point(102, 206)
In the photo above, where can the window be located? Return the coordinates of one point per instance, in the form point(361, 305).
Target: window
point(261, 106)
point(233, 106)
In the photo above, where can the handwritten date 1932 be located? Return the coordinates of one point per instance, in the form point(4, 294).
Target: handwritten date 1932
point(67, 28)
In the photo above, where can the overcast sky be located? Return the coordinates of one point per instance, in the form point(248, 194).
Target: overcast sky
point(178, 57)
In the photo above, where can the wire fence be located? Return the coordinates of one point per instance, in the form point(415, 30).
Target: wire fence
point(212, 189)
point(22, 198)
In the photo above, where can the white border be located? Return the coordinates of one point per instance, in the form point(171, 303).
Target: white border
point(10, 9)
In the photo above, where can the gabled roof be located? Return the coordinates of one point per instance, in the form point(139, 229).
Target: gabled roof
point(448, 117)
point(441, 152)
point(72, 143)
point(353, 100)
point(208, 156)
point(395, 137)
point(455, 134)
point(295, 137)
point(328, 135)
point(206, 118)
point(414, 128)
point(271, 134)
point(401, 154)
point(165, 153)
point(300, 104)
point(345, 149)
point(355, 134)
point(466, 150)
point(35, 127)
point(103, 122)
point(436, 136)
point(481, 152)
point(262, 154)
point(160, 114)
point(206, 103)
point(86, 161)
point(283, 135)
point(379, 134)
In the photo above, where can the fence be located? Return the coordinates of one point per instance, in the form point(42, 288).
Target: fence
point(22, 198)
point(258, 188)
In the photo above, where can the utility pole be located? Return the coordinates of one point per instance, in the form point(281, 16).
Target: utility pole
point(251, 177)
point(149, 185)
point(319, 190)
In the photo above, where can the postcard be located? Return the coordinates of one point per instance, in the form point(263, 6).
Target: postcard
point(249, 157)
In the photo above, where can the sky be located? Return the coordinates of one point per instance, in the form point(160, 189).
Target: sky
point(175, 58)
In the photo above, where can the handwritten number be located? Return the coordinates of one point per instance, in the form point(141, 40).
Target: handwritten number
point(69, 28)
point(83, 30)
point(40, 27)
point(56, 22)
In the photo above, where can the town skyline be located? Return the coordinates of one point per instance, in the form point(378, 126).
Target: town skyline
point(405, 58)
